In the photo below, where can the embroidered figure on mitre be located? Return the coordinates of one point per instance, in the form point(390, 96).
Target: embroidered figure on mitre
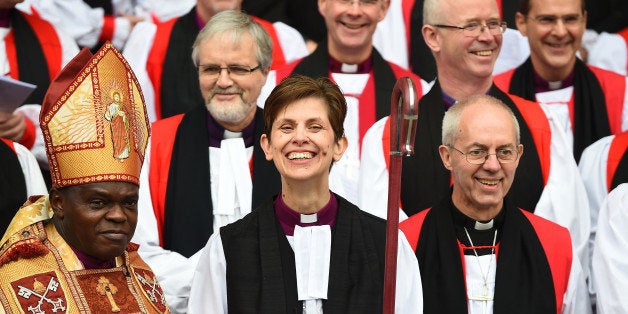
point(119, 123)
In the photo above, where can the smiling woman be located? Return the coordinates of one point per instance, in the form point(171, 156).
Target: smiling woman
point(306, 265)
point(304, 135)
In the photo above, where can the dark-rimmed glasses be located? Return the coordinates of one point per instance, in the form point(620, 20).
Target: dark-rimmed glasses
point(475, 29)
point(214, 71)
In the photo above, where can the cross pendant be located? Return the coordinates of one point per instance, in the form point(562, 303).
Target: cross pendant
point(484, 298)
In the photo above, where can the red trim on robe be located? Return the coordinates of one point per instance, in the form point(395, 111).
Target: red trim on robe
point(554, 239)
point(156, 57)
point(9, 143)
point(624, 34)
point(108, 27)
point(610, 82)
point(406, 9)
point(48, 40)
point(411, 228)
point(30, 134)
point(279, 58)
point(616, 151)
point(162, 143)
point(614, 88)
point(538, 124)
point(556, 243)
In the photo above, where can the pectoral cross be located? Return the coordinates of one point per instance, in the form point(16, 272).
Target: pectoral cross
point(108, 289)
point(484, 298)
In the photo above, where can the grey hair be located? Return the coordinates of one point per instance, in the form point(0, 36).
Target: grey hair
point(432, 12)
point(236, 23)
point(451, 121)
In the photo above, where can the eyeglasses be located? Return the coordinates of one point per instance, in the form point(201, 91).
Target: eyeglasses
point(475, 29)
point(480, 156)
point(571, 20)
point(361, 3)
point(214, 71)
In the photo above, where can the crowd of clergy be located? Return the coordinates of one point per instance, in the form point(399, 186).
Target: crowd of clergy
point(215, 156)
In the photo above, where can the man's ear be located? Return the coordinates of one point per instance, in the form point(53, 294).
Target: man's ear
point(431, 37)
point(521, 22)
point(445, 156)
point(56, 199)
point(265, 144)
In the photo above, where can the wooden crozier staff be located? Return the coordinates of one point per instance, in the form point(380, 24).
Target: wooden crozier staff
point(403, 120)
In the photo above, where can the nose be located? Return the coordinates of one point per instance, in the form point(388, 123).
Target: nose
point(485, 34)
point(224, 79)
point(300, 136)
point(491, 163)
point(116, 213)
point(354, 7)
point(560, 28)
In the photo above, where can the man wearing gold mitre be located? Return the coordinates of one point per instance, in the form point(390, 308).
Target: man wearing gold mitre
point(70, 251)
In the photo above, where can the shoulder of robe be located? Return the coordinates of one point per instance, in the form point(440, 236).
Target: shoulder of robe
point(27, 243)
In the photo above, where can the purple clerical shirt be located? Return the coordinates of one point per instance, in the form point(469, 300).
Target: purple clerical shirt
point(290, 218)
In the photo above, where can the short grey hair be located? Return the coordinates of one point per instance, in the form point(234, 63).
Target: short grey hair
point(236, 23)
point(432, 12)
point(451, 121)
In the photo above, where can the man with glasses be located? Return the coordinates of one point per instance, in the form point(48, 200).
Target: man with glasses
point(349, 59)
point(548, 183)
point(205, 169)
point(588, 102)
point(458, 239)
point(160, 55)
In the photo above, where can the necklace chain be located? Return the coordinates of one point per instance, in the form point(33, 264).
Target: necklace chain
point(477, 258)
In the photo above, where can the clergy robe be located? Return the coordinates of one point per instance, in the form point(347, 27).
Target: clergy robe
point(160, 56)
point(179, 196)
point(249, 267)
point(609, 51)
point(536, 270)
point(33, 51)
point(19, 178)
point(609, 264)
point(39, 270)
point(366, 103)
point(547, 179)
point(603, 167)
point(597, 105)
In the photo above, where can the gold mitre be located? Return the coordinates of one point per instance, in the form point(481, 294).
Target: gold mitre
point(94, 121)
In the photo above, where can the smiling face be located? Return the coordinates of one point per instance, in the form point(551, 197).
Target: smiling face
point(468, 58)
point(302, 142)
point(553, 46)
point(351, 24)
point(230, 98)
point(98, 219)
point(481, 188)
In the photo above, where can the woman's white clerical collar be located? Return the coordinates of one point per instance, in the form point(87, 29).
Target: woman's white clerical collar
point(308, 219)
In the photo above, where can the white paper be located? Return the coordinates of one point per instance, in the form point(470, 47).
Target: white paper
point(13, 93)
